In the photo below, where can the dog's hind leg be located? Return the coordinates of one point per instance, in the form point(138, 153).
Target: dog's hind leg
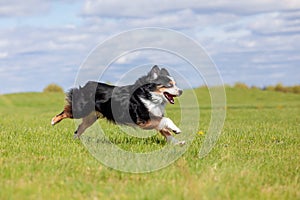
point(66, 113)
point(86, 122)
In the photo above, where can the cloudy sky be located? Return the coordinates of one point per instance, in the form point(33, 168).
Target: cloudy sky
point(43, 41)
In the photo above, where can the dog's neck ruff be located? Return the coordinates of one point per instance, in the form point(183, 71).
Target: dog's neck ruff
point(156, 105)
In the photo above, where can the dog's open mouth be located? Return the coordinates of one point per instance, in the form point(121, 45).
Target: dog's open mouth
point(170, 97)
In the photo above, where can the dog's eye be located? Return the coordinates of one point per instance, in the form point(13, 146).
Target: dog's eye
point(169, 85)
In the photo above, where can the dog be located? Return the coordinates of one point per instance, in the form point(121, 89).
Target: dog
point(141, 104)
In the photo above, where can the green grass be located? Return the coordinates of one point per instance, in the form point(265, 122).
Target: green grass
point(256, 157)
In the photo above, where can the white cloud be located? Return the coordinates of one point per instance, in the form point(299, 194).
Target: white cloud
point(276, 23)
point(16, 8)
point(144, 8)
point(3, 55)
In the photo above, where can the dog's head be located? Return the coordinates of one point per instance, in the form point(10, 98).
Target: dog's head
point(165, 85)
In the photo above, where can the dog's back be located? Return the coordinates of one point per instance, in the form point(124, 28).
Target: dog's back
point(117, 104)
point(83, 100)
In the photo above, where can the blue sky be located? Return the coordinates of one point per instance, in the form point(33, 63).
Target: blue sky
point(43, 41)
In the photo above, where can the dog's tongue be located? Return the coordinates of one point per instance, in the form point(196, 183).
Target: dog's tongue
point(169, 97)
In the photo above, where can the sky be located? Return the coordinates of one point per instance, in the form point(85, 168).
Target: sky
point(41, 41)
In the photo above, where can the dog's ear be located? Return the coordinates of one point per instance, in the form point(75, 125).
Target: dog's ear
point(153, 74)
point(164, 72)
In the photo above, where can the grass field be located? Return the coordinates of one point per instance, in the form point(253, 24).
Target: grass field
point(256, 157)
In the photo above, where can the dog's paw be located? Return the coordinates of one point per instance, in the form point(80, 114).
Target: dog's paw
point(76, 136)
point(180, 143)
point(177, 131)
point(172, 140)
point(53, 121)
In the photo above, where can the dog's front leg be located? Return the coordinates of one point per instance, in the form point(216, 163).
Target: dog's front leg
point(164, 128)
point(170, 139)
point(167, 123)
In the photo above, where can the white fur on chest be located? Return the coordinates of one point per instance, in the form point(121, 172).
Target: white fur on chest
point(156, 105)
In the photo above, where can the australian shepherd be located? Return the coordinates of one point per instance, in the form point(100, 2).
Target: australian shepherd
point(141, 104)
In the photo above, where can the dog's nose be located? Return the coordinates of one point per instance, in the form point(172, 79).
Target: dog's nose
point(180, 92)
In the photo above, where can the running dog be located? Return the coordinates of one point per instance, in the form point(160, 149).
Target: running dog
point(141, 104)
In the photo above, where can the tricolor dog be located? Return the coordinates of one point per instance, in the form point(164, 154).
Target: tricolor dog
point(141, 104)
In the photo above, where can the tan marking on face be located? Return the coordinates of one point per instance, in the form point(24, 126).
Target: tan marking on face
point(172, 82)
point(161, 89)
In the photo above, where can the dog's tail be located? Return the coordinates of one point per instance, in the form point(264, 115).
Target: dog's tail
point(82, 100)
